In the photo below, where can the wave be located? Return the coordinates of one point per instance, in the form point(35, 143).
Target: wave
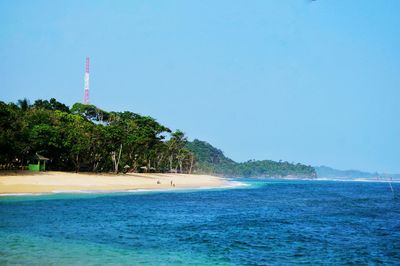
point(22, 194)
point(357, 180)
point(228, 184)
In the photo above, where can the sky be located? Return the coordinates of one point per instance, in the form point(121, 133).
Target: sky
point(315, 82)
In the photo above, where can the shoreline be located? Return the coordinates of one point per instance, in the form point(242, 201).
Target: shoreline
point(52, 182)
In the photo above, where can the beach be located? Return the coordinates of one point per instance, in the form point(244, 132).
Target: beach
point(57, 182)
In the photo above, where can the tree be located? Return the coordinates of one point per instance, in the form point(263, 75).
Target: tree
point(12, 129)
point(78, 139)
point(53, 105)
point(24, 104)
point(177, 152)
point(90, 112)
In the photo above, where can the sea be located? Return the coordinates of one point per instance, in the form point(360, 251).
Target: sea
point(259, 222)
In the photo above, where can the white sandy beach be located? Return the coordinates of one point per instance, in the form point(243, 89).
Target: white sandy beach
point(52, 182)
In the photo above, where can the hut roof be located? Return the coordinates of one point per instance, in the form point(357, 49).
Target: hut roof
point(41, 157)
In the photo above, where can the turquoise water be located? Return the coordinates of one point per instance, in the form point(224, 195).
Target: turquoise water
point(271, 222)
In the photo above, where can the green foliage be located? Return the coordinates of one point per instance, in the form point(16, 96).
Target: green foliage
point(85, 138)
point(53, 105)
point(212, 160)
point(90, 112)
point(89, 138)
point(178, 154)
point(11, 131)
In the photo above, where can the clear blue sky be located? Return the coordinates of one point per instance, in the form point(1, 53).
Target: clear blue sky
point(312, 82)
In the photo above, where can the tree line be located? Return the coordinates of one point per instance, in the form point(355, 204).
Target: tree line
point(85, 137)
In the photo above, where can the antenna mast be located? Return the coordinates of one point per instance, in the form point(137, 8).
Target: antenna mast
point(86, 90)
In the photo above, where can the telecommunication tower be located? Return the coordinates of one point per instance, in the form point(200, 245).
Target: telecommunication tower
point(86, 89)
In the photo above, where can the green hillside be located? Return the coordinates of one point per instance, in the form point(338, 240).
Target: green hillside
point(212, 160)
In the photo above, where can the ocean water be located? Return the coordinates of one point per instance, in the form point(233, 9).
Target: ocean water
point(273, 222)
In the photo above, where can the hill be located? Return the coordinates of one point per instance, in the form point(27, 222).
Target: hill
point(329, 172)
point(212, 160)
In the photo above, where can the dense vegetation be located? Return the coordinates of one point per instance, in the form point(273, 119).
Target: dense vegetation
point(84, 137)
point(88, 138)
point(212, 160)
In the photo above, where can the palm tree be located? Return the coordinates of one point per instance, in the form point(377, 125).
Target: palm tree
point(24, 104)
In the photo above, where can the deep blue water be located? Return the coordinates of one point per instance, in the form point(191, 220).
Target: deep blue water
point(271, 222)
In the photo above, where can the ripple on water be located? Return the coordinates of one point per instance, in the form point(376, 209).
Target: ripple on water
point(272, 222)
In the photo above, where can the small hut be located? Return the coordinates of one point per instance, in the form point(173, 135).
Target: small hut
point(40, 165)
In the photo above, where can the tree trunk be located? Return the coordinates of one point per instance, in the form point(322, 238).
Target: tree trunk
point(180, 165)
point(191, 163)
point(176, 168)
point(160, 158)
point(77, 163)
point(134, 165)
point(95, 166)
point(114, 159)
point(170, 162)
point(119, 158)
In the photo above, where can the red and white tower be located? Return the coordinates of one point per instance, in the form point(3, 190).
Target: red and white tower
point(86, 90)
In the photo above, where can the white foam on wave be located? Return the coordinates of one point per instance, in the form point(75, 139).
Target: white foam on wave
point(357, 180)
point(228, 184)
point(234, 184)
point(78, 191)
point(22, 194)
point(150, 190)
